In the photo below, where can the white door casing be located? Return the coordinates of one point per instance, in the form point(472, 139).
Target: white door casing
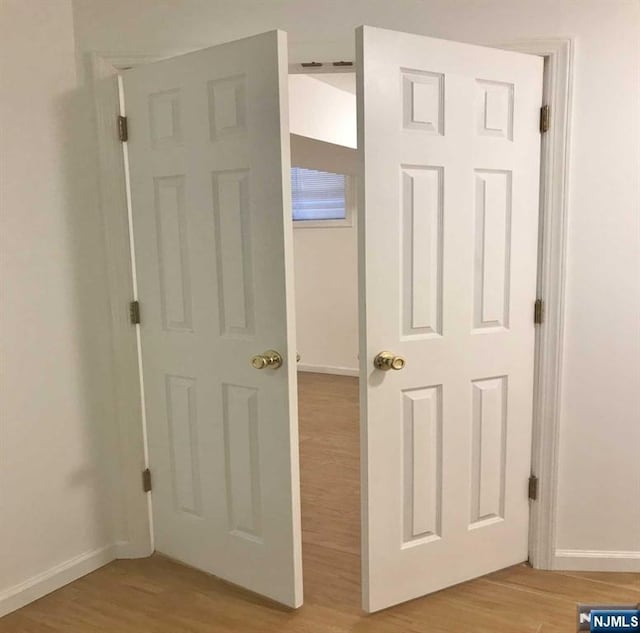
point(450, 145)
point(210, 188)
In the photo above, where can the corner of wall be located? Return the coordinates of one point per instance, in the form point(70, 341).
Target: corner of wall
point(54, 578)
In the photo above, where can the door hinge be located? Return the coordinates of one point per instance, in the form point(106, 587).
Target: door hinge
point(533, 487)
point(545, 118)
point(123, 129)
point(538, 312)
point(134, 312)
point(146, 480)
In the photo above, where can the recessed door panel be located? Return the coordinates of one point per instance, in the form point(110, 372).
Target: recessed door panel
point(422, 249)
point(173, 255)
point(242, 461)
point(231, 199)
point(227, 106)
point(423, 100)
point(488, 450)
point(182, 415)
point(495, 108)
point(422, 457)
point(492, 266)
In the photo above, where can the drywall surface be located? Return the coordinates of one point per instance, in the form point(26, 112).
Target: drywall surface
point(599, 489)
point(326, 263)
point(320, 110)
point(327, 299)
point(55, 517)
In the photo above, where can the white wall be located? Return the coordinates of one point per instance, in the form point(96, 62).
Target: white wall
point(326, 262)
point(326, 268)
point(599, 494)
point(55, 518)
point(319, 109)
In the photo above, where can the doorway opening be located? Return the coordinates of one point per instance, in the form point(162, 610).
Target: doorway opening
point(322, 109)
point(320, 379)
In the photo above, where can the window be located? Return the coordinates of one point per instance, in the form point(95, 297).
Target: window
point(319, 198)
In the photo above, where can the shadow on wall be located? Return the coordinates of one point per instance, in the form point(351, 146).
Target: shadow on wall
point(94, 476)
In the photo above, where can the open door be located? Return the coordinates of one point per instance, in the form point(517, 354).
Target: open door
point(450, 147)
point(210, 190)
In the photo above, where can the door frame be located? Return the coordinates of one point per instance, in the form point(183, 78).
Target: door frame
point(554, 202)
point(131, 506)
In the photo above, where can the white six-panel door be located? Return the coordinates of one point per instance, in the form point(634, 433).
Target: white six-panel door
point(210, 173)
point(449, 139)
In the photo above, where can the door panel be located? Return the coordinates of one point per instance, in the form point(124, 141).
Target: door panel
point(450, 145)
point(210, 170)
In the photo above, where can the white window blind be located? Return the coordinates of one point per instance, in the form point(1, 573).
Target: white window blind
point(318, 195)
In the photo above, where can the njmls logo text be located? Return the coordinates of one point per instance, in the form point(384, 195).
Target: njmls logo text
point(614, 619)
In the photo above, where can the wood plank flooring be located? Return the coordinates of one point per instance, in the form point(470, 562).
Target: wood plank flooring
point(156, 595)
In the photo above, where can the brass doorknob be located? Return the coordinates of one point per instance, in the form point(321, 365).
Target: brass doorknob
point(387, 361)
point(270, 358)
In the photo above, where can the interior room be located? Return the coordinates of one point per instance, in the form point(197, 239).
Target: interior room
point(322, 111)
point(312, 318)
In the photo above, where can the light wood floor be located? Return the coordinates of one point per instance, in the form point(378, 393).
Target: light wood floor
point(156, 595)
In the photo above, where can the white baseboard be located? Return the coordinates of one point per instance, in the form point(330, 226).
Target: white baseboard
point(596, 560)
point(58, 576)
point(325, 369)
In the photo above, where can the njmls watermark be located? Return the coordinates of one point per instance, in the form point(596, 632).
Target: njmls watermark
point(609, 618)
